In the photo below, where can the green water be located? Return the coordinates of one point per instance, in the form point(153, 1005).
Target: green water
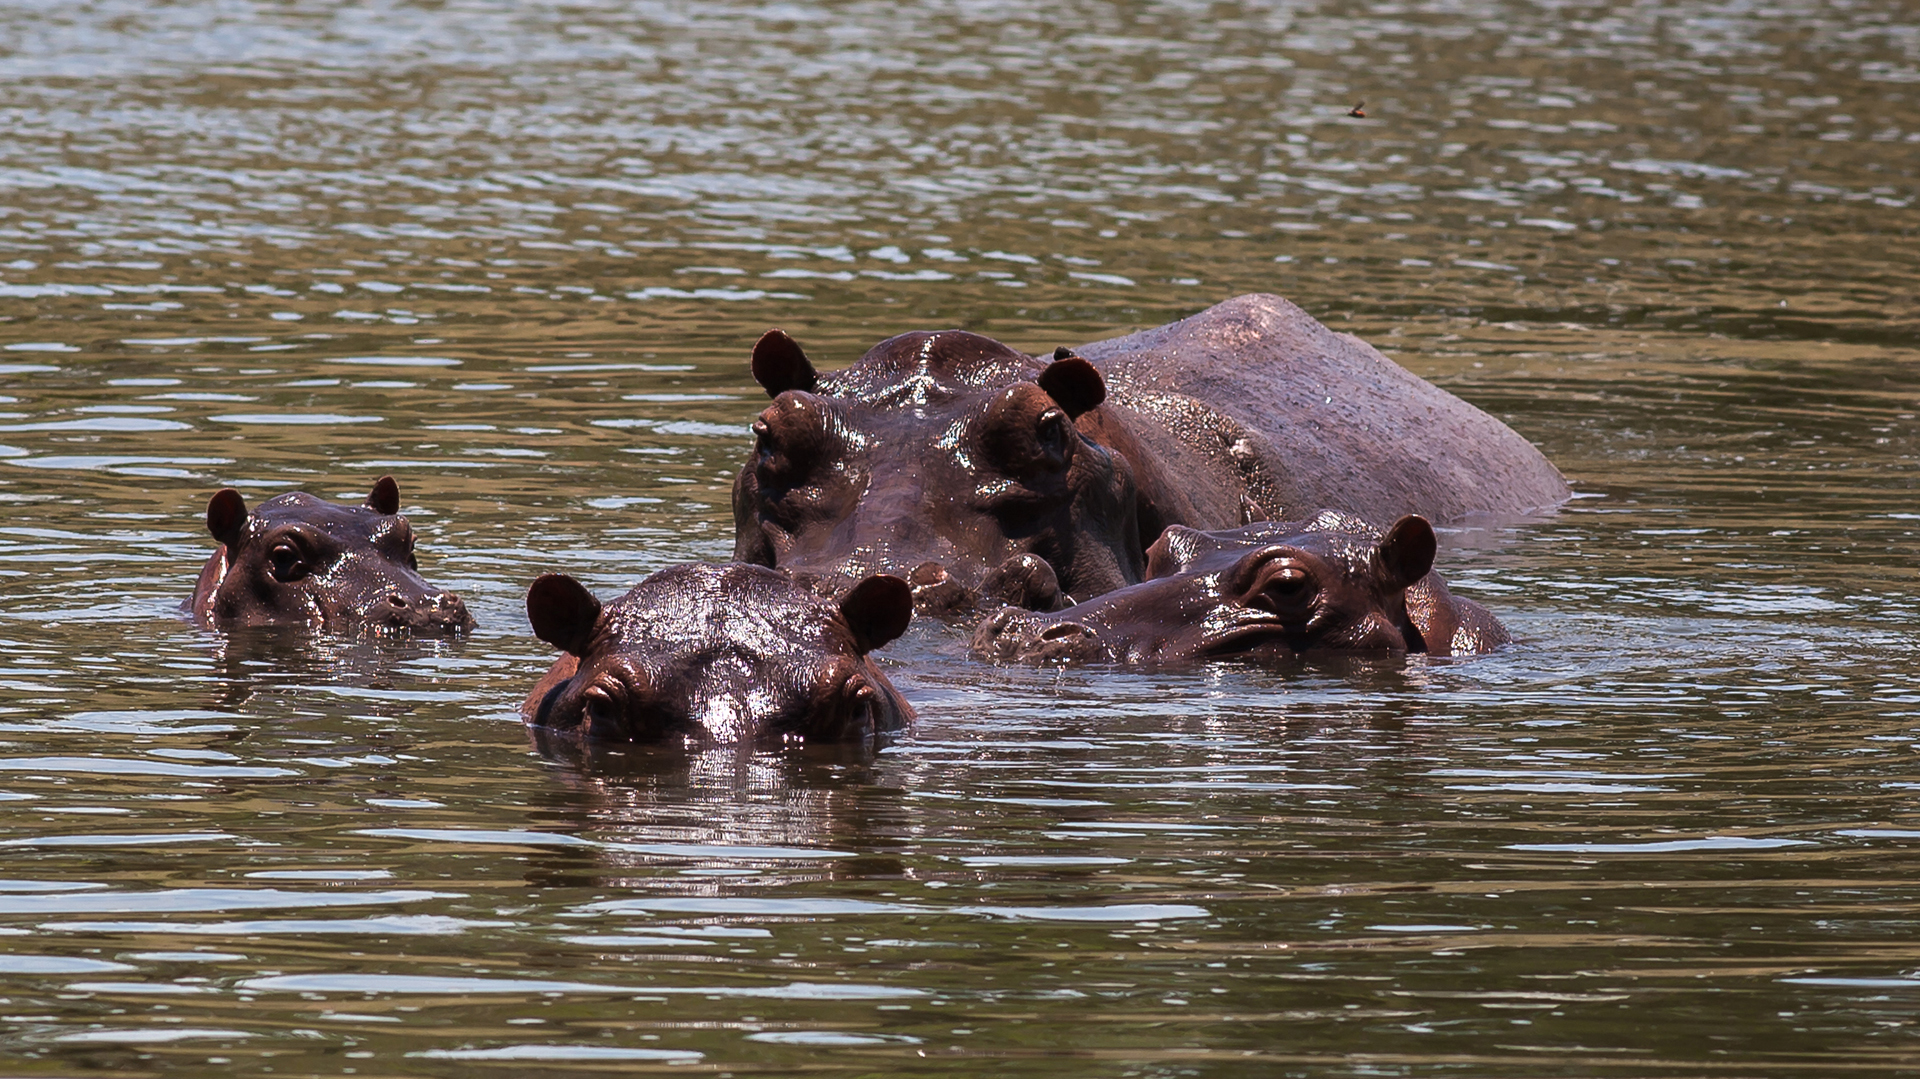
point(515, 256)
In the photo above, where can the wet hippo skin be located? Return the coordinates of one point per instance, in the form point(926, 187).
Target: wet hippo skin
point(704, 655)
point(1254, 403)
point(946, 458)
point(1266, 591)
point(975, 470)
point(301, 560)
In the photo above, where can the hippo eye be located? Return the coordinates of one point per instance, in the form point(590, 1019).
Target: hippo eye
point(602, 716)
point(286, 563)
point(768, 454)
point(861, 697)
point(1290, 584)
point(1053, 435)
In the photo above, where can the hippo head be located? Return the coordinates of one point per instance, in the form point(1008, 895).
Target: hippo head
point(1266, 591)
point(301, 560)
point(701, 655)
point(945, 458)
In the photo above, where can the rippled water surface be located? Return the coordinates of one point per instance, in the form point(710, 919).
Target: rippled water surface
point(514, 255)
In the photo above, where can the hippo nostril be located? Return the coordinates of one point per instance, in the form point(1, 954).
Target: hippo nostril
point(1063, 631)
point(398, 601)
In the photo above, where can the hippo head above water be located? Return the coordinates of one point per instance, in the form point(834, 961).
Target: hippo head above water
point(1266, 591)
point(301, 560)
point(945, 458)
point(701, 655)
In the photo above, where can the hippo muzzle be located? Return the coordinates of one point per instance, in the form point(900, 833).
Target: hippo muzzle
point(418, 611)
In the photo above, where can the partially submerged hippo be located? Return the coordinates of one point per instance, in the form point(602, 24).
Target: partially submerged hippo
point(946, 458)
point(301, 560)
point(1265, 591)
point(702, 655)
point(972, 468)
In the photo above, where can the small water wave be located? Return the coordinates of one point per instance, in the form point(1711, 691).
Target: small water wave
point(564, 1053)
point(421, 985)
point(201, 899)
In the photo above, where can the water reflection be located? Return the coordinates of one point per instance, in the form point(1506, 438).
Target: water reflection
point(721, 819)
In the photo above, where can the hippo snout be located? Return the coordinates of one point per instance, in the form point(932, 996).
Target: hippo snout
point(1024, 580)
point(441, 612)
point(1015, 635)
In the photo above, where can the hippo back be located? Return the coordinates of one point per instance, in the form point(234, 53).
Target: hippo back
point(1307, 418)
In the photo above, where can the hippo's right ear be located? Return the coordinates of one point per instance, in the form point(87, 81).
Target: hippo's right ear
point(227, 517)
point(1406, 551)
point(1074, 384)
point(779, 365)
point(563, 612)
point(877, 610)
point(385, 497)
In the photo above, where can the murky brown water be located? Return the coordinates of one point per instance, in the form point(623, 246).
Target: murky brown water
point(515, 256)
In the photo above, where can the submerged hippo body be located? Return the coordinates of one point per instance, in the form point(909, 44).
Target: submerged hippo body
point(700, 655)
point(975, 469)
point(1268, 591)
point(301, 560)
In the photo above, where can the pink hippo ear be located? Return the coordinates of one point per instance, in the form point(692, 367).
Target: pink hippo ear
point(1406, 552)
point(779, 365)
point(385, 497)
point(1074, 384)
point(877, 610)
point(227, 517)
point(563, 613)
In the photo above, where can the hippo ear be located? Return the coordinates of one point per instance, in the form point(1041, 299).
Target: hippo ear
point(1074, 384)
point(385, 496)
point(877, 610)
point(227, 517)
point(779, 365)
point(1406, 551)
point(563, 612)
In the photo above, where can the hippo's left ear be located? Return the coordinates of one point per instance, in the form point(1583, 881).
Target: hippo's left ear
point(1406, 551)
point(563, 613)
point(779, 364)
point(385, 497)
point(877, 610)
point(227, 517)
point(1074, 384)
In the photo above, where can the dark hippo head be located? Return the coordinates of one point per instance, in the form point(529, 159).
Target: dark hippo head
point(945, 458)
point(699, 655)
point(301, 560)
point(1266, 591)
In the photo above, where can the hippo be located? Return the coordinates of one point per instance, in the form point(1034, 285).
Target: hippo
point(1265, 592)
point(700, 655)
point(301, 560)
point(979, 472)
